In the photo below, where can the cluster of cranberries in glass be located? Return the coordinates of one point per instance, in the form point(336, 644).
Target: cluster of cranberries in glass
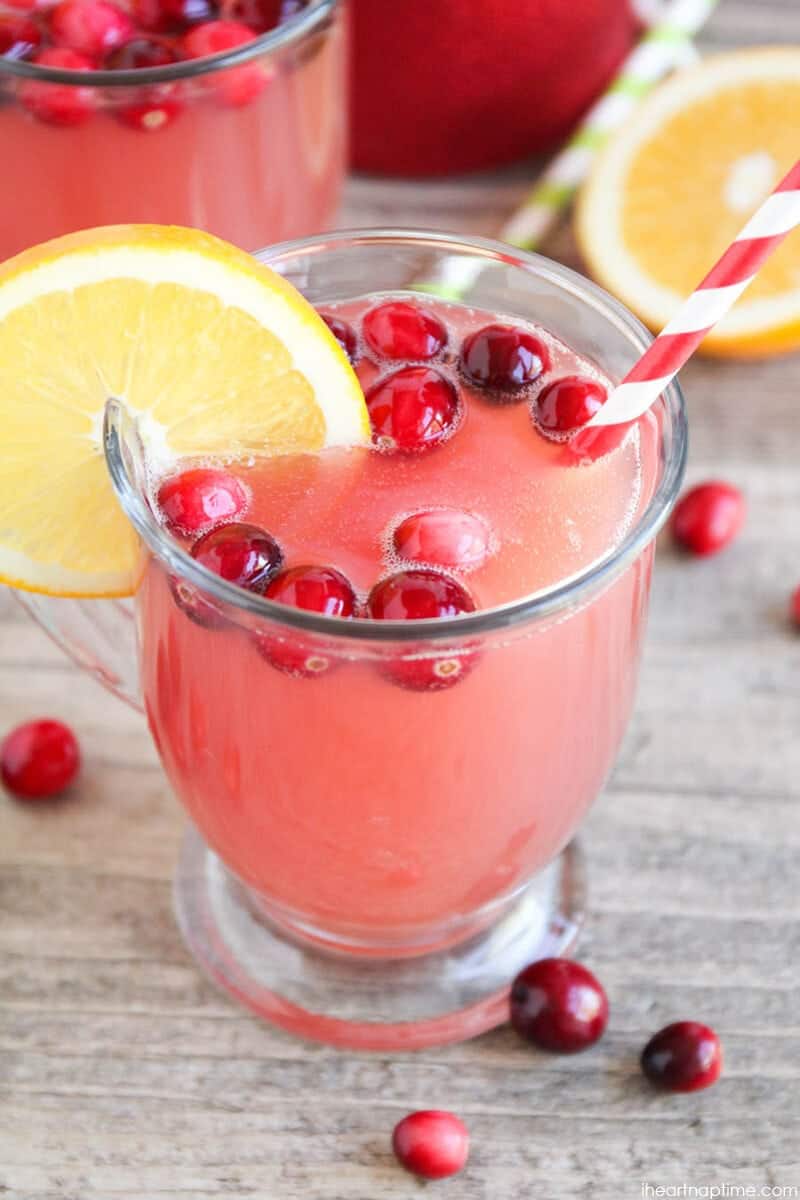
point(415, 403)
point(89, 35)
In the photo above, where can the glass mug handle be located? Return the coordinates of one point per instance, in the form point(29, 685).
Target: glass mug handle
point(98, 635)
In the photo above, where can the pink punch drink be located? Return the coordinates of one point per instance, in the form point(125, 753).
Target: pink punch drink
point(228, 116)
point(387, 740)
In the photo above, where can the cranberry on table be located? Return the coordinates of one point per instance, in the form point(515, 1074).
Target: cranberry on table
point(92, 27)
point(558, 1005)
point(172, 16)
point(344, 334)
point(708, 517)
point(567, 404)
point(402, 330)
point(431, 1143)
point(19, 36)
point(503, 358)
point(683, 1057)
point(241, 554)
point(59, 103)
point(201, 497)
point(412, 409)
point(39, 759)
point(445, 537)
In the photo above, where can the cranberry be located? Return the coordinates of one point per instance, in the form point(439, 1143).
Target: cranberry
point(241, 554)
point(197, 499)
point(39, 759)
point(558, 1005)
point(151, 115)
point(141, 53)
point(503, 358)
point(234, 86)
point(567, 404)
point(794, 607)
point(401, 330)
point(683, 1057)
point(344, 334)
point(708, 517)
point(418, 595)
point(260, 15)
point(59, 103)
point(431, 1143)
point(412, 409)
point(444, 537)
point(196, 604)
point(172, 16)
point(314, 589)
point(19, 37)
point(92, 27)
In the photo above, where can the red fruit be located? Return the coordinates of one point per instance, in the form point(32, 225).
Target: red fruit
point(39, 759)
point(414, 408)
point(708, 517)
point(242, 554)
point(503, 358)
point(344, 334)
point(59, 103)
point(197, 499)
point(558, 1005)
point(418, 595)
point(234, 86)
point(92, 27)
point(199, 607)
point(260, 15)
point(794, 607)
point(314, 589)
point(400, 330)
point(19, 37)
point(683, 1057)
point(442, 86)
point(431, 1143)
point(444, 537)
point(172, 16)
point(141, 53)
point(149, 116)
point(567, 404)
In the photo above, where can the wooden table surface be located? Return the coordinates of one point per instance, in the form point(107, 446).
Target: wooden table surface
point(125, 1076)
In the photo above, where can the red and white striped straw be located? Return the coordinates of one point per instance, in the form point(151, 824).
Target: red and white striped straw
point(722, 286)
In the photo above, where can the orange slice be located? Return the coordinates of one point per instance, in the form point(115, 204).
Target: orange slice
point(679, 181)
point(213, 353)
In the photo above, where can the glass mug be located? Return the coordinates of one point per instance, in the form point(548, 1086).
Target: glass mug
point(368, 865)
point(250, 144)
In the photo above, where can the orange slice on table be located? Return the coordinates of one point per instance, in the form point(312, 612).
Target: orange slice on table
point(679, 181)
point(212, 352)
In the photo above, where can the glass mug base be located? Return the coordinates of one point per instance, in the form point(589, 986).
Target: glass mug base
point(370, 1003)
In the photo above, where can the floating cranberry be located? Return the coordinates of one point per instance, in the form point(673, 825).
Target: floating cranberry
point(418, 595)
point(59, 103)
point(19, 37)
point(400, 330)
point(412, 409)
point(151, 115)
point(567, 404)
point(141, 53)
point(708, 517)
point(201, 497)
point(344, 334)
point(39, 759)
point(558, 1005)
point(260, 15)
point(445, 537)
point(431, 1143)
point(321, 590)
point(503, 358)
point(91, 27)
point(241, 554)
point(233, 86)
point(683, 1057)
point(197, 604)
point(172, 16)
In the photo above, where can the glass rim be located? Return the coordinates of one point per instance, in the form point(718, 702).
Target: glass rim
point(544, 602)
point(295, 29)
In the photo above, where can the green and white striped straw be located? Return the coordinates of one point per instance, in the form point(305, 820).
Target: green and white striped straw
point(662, 48)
